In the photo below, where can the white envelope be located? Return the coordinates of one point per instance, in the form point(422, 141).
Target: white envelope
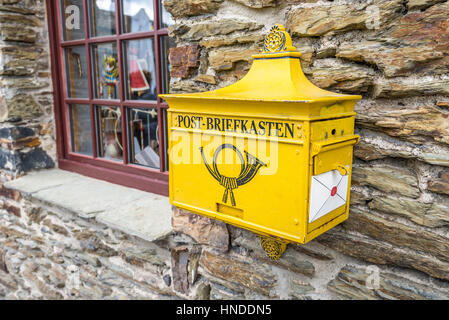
point(328, 192)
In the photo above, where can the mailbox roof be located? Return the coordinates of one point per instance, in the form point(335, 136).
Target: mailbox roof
point(274, 77)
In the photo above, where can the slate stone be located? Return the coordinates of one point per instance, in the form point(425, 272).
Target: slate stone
point(18, 161)
point(167, 280)
point(16, 132)
point(35, 159)
point(184, 8)
point(351, 283)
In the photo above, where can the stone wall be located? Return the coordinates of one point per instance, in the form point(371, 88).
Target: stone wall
point(26, 101)
point(51, 253)
point(393, 52)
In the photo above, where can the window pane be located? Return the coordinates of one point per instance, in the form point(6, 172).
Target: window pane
point(80, 129)
point(102, 18)
point(140, 69)
point(166, 18)
point(144, 137)
point(166, 44)
point(138, 16)
point(109, 126)
point(73, 15)
point(76, 73)
point(106, 70)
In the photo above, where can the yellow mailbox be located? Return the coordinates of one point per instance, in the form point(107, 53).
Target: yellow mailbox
point(271, 153)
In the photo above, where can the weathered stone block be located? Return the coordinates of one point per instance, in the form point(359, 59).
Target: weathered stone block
point(440, 185)
point(55, 227)
point(18, 161)
point(139, 256)
point(416, 43)
point(377, 145)
point(387, 179)
point(186, 8)
point(224, 59)
point(219, 292)
point(22, 34)
point(413, 209)
point(290, 260)
point(421, 4)
point(94, 245)
point(206, 79)
point(9, 193)
point(355, 283)
point(183, 60)
point(2, 261)
point(203, 292)
point(8, 280)
point(335, 18)
point(335, 75)
point(180, 263)
point(16, 133)
point(19, 61)
point(12, 209)
point(24, 83)
point(405, 88)
point(229, 40)
point(204, 230)
point(187, 86)
point(299, 289)
point(258, 3)
point(438, 214)
point(398, 234)
point(20, 107)
point(252, 276)
point(184, 262)
point(417, 124)
point(380, 252)
point(201, 30)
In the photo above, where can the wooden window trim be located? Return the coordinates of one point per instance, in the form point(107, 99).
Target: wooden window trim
point(130, 175)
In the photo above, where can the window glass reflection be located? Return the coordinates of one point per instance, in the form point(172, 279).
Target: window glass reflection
point(80, 129)
point(166, 18)
point(102, 18)
point(144, 137)
point(141, 69)
point(106, 70)
point(166, 44)
point(77, 81)
point(138, 16)
point(109, 133)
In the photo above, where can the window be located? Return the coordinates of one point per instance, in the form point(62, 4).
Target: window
point(112, 64)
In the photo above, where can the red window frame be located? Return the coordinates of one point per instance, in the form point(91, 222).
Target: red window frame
point(125, 173)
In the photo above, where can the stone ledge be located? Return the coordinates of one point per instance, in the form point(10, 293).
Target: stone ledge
point(138, 213)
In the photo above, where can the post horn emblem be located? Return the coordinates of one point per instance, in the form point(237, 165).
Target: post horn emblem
point(250, 167)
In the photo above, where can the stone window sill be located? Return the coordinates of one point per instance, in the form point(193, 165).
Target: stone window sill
point(138, 213)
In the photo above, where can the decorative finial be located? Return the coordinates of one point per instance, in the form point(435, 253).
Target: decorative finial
point(278, 40)
point(274, 247)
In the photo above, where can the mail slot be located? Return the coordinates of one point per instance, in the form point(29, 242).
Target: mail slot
point(271, 153)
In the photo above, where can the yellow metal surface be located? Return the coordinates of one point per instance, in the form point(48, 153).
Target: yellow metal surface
point(245, 154)
point(273, 247)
